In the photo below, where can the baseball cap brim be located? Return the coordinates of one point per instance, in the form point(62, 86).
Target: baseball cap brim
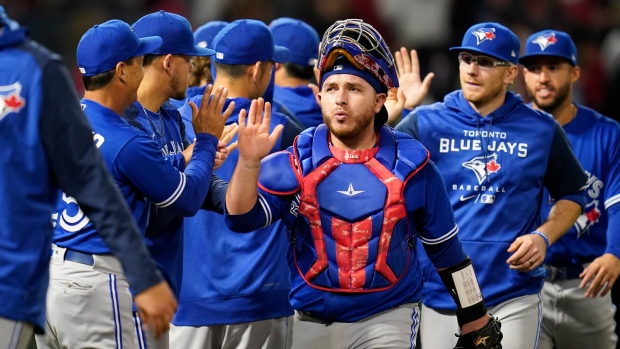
point(200, 51)
point(280, 54)
point(524, 58)
point(148, 44)
point(472, 49)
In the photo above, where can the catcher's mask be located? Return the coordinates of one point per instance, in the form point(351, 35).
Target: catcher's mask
point(363, 46)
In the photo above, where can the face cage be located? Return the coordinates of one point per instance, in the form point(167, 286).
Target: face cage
point(343, 39)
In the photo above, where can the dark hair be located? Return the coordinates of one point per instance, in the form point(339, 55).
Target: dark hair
point(96, 82)
point(232, 70)
point(149, 59)
point(299, 71)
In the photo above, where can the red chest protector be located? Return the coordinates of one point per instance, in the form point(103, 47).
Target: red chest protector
point(351, 233)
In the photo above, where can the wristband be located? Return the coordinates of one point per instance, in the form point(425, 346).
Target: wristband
point(543, 236)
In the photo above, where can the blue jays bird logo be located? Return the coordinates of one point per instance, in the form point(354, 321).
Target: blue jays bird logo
point(483, 166)
point(484, 34)
point(545, 40)
point(10, 99)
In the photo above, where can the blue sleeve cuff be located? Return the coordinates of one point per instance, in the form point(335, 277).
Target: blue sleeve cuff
point(579, 198)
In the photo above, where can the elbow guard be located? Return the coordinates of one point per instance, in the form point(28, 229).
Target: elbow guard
point(461, 282)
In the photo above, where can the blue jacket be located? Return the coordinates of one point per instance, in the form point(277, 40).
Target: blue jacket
point(495, 169)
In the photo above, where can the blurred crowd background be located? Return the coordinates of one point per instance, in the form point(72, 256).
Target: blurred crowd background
point(429, 26)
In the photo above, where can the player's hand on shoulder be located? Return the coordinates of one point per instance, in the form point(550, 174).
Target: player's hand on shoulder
point(209, 118)
point(255, 141)
point(156, 306)
point(601, 274)
point(413, 87)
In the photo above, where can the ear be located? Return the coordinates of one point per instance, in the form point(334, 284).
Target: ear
point(279, 65)
point(166, 63)
point(511, 75)
point(380, 99)
point(121, 71)
point(574, 74)
point(255, 71)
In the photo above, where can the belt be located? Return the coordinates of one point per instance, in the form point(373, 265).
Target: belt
point(562, 273)
point(79, 257)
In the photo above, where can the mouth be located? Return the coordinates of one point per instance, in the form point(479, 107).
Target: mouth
point(544, 91)
point(340, 115)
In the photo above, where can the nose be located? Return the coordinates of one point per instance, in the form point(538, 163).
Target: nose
point(341, 97)
point(472, 68)
point(544, 74)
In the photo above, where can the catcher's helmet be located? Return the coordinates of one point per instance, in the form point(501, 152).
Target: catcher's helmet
point(362, 45)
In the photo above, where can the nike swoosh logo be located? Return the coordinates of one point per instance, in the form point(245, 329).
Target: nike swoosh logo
point(465, 198)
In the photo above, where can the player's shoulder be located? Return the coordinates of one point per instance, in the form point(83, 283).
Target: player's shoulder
point(599, 119)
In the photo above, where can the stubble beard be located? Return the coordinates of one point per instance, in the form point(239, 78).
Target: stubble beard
point(353, 133)
point(560, 96)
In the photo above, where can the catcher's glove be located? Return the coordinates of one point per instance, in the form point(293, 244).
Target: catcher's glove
point(488, 337)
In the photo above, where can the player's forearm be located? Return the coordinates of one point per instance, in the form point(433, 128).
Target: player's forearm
point(561, 217)
point(243, 187)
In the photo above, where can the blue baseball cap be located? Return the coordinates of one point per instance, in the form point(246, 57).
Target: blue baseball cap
point(550, 43)
point(176, 32)
point(298, 37)
point(103, 46)
point(491, 39)
point(247, 41)
point(204, 35)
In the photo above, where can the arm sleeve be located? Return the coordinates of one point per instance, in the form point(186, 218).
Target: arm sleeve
point(216, 198)
point(182, 192)
point(436, 223)
point(267, 209)
point(409, 125)
point(78, 168)
point(565, 178)
point(613, 230)
point(612, 190)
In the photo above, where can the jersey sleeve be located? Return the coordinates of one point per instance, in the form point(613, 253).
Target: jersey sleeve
point(267, 209)
point(612, 190)
point(435, 221)
point(565, 178)
point(78, 168)
point(409, 125)
point(182, 192)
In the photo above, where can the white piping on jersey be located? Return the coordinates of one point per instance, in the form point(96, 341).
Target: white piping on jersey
point(266, 209)
point(612, 201)
point(177, 193)
point(441, 239)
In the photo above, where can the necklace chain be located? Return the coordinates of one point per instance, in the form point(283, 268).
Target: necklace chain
point(161, 123)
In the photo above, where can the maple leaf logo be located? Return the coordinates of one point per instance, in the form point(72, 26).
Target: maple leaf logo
point(493, 166)
point(489, 35)
point(14, 102)
point(11, 100)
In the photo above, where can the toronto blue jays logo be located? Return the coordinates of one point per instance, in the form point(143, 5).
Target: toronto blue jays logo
point(484, 34)
point(11, 100)
point(545, 40)
point(483, 166)
point(588, 218)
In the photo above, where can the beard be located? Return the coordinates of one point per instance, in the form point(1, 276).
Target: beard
point(351, 133)
point(560, 96)
point(482, 100)
point(178, 91)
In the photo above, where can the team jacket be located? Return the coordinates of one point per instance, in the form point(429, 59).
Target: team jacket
point(596, 142)
point(495, 169)
point(142, 174)
point(335, 203)
point(228, 277)
point(46, 144)
point(301, 101)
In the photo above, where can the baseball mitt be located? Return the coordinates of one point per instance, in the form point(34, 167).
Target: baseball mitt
point(488, 337)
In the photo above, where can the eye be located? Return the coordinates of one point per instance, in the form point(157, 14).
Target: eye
point(485, 62)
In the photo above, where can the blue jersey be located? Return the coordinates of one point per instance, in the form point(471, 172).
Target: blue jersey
point(164, 240)
point(46, 144)
point(242, 277)
point(596, 142)
point(353, 193)
point(142, 174)
point(301, 102)
point(495, 169)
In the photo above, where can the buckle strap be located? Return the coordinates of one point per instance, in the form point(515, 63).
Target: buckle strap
point(553, 273)
point(79, 257)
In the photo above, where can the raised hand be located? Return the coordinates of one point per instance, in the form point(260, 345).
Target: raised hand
point(255, 142)
point(394, 104)
point(223, 150)
point(209, 118)
point(411, 85)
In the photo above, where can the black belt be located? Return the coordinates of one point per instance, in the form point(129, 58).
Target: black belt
point(79, 257)
point(562, 273)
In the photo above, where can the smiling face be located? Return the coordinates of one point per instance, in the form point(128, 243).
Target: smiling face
point(349, 104)
point(485, 86)
point(549, 81)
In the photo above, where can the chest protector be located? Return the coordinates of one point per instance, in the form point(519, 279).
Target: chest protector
point(350, 230)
